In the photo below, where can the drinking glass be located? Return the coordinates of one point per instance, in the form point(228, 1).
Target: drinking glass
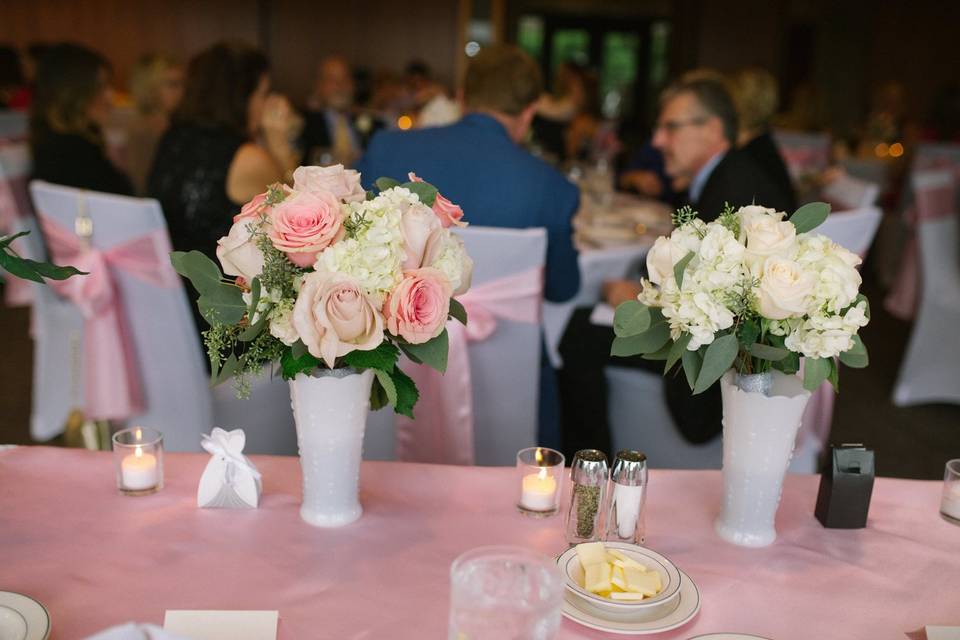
point(950, 504)
point(504, 592)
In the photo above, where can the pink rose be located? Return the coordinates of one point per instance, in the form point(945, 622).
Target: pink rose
point(238, 252)
point(449, 213)
point(417, 224)
point(417, 308)
point(305, 224)
point(253, 208)
point(333, 317)
point(344, 184)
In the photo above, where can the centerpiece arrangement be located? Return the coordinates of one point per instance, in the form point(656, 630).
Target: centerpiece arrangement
point(333, 283)
point(752, 300)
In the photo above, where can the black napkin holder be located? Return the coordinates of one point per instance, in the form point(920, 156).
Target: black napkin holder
point(845, 488)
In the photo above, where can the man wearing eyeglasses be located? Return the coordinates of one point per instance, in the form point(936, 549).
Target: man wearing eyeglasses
point(696, 132)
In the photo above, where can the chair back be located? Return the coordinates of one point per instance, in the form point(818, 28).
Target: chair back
point(853, 230)
point(803, 153)
point(847, 192)
point(163, 350)
point(14, 125)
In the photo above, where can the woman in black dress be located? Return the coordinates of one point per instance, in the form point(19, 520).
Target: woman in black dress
point(228, 140)
point(71, 105)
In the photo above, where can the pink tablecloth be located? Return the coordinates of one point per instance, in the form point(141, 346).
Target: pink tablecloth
point(96, 558)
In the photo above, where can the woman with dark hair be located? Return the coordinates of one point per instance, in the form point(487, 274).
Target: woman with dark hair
point(229, 139)
point(70, 106)
point(11, 75)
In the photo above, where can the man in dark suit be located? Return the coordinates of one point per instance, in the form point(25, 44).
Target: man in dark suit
point(696, 131)
point(479, 164)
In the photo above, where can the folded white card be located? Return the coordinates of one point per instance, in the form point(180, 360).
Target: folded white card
point(222, 625)
point(943, 633)
point(602, 315)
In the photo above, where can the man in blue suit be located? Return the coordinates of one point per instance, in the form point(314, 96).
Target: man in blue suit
point(479, 164)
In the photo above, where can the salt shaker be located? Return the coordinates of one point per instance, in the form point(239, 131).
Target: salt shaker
point(589, 474)
point(628, 489)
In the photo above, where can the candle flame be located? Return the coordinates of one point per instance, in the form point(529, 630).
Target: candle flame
point(138, 434)
point(543, 473)
point(138, 452)
point(539, 457)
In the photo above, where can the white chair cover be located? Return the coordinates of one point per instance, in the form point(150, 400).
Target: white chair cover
point(853, 230)
point(167, 353)
point(505, 368)
point(13, 125)
point(847, 192)
point(931, 367)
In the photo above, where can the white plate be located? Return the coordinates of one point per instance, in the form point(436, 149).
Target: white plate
point(579, 611)
point(728, 636)
point(22, 618)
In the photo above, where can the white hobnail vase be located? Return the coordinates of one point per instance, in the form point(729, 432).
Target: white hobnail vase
point(330, 410)
point(759, 431)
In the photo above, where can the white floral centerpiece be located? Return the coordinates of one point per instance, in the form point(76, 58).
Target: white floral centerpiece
point(750, 299)
point(333, 283)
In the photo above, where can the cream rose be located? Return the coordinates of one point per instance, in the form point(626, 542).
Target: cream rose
point(665, 253)
point(344, 184)
point(417, 308)
point(753, 212)
point(238, 252)
point(305, 224)
point(417, 226)
point(333, 317)
point(766, 236)
point(784, 289)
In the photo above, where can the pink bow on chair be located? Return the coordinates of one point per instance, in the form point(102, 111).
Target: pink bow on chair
point(111, 379)
point(443, 430)
point(932, 202)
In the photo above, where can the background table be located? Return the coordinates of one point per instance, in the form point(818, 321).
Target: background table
point(96, 558)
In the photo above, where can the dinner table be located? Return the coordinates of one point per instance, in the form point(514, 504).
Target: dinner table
point(96, 558)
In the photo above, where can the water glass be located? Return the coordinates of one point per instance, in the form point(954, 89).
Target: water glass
point(950, 504)
point(504, 592)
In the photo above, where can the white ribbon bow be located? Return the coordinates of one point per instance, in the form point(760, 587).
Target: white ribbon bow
point(229, 444)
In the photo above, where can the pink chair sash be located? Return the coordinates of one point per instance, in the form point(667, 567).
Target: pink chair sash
point(931, 203)
point(443, 430)
point(112, 381)
point(14, 206)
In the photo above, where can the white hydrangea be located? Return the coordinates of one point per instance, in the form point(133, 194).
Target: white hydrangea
point(838, 281)
point(375, 252)
point(827, 335)
point(450, 260)
point(281, 324)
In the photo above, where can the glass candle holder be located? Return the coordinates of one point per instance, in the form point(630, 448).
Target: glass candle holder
point(138, 460)
point(950, 504)
point(540, 471)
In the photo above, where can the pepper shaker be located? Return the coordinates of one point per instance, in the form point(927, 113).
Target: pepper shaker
point(589, 474)
point(628, 494)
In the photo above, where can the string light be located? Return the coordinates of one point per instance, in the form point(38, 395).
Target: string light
point(404, 122)
point(882, 150)
point(896, 150)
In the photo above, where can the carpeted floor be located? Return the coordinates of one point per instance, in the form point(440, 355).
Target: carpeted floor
point(913, 442)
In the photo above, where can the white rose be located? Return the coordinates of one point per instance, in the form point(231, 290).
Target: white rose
point(417, 225)
point(784, 289)
point(342, 183)
point(281, 326)
point(767, 237)
point(238, 252)
point(754, 212)
point(667, 252)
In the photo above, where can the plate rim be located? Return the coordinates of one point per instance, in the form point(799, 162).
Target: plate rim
point(650, 554)
point(568, 604)
point(45, 634)
point(736, 634)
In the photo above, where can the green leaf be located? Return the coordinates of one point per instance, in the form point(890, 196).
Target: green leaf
point(254, 297)
point(432, 353)
point(254, 330)
point(298, 348)
point(649, 341)
point(223, 304)
point(660, 354)
point(378, 396)
point(424, 190)
point(810, 216)
point(202, 272)
point(383, 358)
point(834, 376)
point(766, 352)
point(290, 366)
point(815, 371)
point(719, 357)
point(6, 240)
point(691, 366)
point(679, 268)
point(19, 267)
point(630, 319)
point(457, 312)
point(389, 388)
point(749, 332)
point(53, 271)
point(407, 394)
point(229, 368)
point(856, 357)
point(385, 183)
point(789, 365)
point(862, 298)
point(676, 351)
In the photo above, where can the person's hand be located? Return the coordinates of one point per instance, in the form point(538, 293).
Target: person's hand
point(616, 292)
point(646, 183)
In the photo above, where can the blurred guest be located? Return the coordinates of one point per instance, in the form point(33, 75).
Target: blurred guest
point(803, 111)
point(645, 174)
point(434, 107)
point(943, 121)
point(71, 104)
point(22, 98)
point(211, 160)
point(754, 92)
point(479, 164)
point(156, 84)
point(583, 130)
point(697, 133)
point(332, 133)
point(11, 75)
point(555, 111)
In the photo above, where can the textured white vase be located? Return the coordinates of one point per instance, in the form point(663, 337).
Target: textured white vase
point(330, 410)
point(758, 438)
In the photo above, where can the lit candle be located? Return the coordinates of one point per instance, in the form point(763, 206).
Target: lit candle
point(539, 491)
point(950, 506)
point(139, 471)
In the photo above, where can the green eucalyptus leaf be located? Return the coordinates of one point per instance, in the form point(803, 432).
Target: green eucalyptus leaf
point(631, 318)
point(202, 272)
point(254, 330)
point(815, 371)
point(649, 341)
point(692, 361)
point(716, 361)
point(810, 216)
point(230, 366)
point(254, 297)
point(677, 349)
point(766, 352)
point(660, 354)
point(385, 183)
point(680, 267)
point(856, 357)
point(424, 190)
point(223, 304)
point(458, 312)
point(749, 332)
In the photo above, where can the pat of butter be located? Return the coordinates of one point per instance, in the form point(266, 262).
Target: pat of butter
point(647, 583)
point(617, 579)
point(628, 597)
point(591, 553)
point(623, 560)
point(597, 577)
